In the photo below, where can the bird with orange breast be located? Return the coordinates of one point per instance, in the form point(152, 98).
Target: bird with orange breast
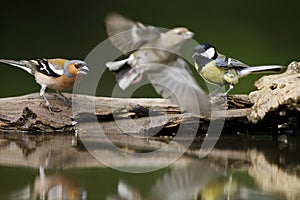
point(57, 74)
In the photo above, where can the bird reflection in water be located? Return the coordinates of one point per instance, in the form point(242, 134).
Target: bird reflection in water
point(52, 187)
point(60, 187)
point(199, 181)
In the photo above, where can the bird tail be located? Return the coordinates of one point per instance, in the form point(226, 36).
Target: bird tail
point(125, 74)
point(260, 69)
point(23, 64)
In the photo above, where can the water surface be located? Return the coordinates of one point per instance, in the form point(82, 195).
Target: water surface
point(255, 166)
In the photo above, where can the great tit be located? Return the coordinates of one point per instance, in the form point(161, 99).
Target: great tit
point(156, 54)
point(218, 69)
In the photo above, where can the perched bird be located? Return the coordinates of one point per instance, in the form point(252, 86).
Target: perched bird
point(57, 74)
point(221, 70)
point(157, 54)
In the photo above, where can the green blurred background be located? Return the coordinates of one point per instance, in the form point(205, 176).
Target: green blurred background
point(255, 32)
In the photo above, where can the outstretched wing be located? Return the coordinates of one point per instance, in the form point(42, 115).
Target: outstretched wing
point(128, 35)
point(174, 81)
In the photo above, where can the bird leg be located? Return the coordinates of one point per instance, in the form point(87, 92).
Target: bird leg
point(214, 92)
point(225, 93)
point(65, 99)
point(219, 100)
point(48, 105)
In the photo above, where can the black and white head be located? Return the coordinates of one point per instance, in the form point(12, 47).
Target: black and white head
point(205, 50)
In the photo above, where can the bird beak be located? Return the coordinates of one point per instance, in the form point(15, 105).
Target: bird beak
point(84, 70)
point(188, 34)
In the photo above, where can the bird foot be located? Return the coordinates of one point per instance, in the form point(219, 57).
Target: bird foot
point(218, 95)
point(224, 95)
point(219, 102)
point(65, 99)
point(51, 109)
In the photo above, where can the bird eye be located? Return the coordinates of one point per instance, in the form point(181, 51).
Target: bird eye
point(78, 65)
point(179, 33)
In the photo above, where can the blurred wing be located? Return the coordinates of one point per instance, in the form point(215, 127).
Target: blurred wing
point(226, 62)
point(128, 35)
point(174, 81)
point(185, 183)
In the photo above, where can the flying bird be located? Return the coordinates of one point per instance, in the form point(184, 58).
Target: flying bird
point(157, 55)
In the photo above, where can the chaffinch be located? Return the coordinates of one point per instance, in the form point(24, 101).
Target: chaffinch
point(156, 54)
point(57, 74)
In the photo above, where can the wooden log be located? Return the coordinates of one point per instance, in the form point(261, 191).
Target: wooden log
point(276, 91)
point(27, 113)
